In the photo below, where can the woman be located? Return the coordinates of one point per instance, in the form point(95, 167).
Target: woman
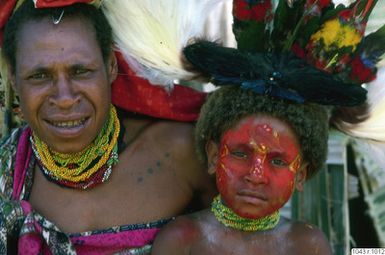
point(75, 177)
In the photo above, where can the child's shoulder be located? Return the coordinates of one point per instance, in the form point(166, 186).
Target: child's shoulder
point(194, 221)
point(306, 236)
point(181, 233)
point(187, 228)
point(302, 229)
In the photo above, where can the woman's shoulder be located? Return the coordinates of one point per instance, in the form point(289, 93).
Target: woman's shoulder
point(163, 132)
point(174, 132)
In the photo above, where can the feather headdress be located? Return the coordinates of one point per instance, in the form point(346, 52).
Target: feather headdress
point(373, 127)
point(160, 30)
point(303, 50)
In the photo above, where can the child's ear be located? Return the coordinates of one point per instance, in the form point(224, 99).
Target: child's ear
point(212, 156)
point(301, 177)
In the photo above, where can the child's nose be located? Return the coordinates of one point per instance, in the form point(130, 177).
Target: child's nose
point(257, 174)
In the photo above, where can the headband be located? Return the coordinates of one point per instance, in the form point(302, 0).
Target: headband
point(9, 6)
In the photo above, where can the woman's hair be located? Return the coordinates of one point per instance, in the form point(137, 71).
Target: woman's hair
point(27, 12)
point(228, 105)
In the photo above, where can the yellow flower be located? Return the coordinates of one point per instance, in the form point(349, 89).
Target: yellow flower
point(336, 34)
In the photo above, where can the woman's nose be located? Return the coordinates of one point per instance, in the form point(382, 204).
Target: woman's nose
point(65, 95)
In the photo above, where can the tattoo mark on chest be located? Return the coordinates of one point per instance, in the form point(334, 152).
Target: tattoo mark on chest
point(151, 170)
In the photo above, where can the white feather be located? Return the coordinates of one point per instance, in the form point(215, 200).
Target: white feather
point(151, 34)
point(374, 127)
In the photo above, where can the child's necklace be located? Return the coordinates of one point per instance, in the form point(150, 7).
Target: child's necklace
point(230, 219)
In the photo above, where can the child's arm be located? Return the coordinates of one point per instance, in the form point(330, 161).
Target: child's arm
point(176, 237)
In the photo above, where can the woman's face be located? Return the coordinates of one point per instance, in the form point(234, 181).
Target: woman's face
point(257, 165)
point(63, 82)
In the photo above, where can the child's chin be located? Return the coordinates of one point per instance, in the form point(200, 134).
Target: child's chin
point(255, 214)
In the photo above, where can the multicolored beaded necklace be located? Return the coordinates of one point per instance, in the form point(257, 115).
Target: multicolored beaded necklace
point(85, 169)
point(230, 219)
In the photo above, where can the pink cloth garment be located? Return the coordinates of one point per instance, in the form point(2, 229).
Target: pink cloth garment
point(23, 155)
point(40, 236)
point(107, 243)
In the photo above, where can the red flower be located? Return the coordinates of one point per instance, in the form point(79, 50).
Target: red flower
point(341, 64)
point(298, 51)
point(259, 11)
point(361, 73)
point(320, 64)
point(346, 15)
point(349, 16)
point(319, 3)
point(314, 8)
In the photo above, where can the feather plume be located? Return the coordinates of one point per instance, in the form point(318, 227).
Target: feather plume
point(373, 47)
point(278, 75)
point(251, 20)
point(152, 33)
point(373, 128)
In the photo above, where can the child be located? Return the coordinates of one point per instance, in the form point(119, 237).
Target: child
point(260, 150)
point(265, 131)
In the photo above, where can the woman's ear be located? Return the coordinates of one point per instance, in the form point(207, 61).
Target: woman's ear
point(12, 82)
point(112, 67)
point(301, 176)
point(212, 156)
point(8, 75)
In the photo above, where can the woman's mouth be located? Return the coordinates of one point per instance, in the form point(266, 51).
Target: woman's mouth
point(68, 123)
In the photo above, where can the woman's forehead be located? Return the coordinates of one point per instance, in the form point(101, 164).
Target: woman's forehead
point(38, 41)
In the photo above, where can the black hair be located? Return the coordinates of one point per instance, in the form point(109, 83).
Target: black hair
point(27, 12)
point(228, 105)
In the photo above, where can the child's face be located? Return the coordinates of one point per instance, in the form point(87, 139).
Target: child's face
point(257, 165)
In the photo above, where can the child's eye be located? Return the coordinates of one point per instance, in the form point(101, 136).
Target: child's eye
point(278, 162)
point(239, 154)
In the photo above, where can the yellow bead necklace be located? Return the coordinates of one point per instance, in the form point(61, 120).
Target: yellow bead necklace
point(229, 218)
point(78, 167)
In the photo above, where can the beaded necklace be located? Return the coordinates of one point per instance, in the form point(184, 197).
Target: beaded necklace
point(84, 169)
point(230, 219)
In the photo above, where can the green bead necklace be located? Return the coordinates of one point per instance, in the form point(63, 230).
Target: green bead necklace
point(230, 219)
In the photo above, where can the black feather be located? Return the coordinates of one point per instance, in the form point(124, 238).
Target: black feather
point(284, 75)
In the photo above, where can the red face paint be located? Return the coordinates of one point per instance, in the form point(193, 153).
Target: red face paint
point(257, 165)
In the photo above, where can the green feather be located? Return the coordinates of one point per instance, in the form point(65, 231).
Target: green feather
point(250, 35)
point(373, 45)
point(362, 5)
point(286, 20)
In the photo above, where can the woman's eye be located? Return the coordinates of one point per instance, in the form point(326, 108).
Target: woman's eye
point(38, 76)
point(80, 71)
point(278, 162)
